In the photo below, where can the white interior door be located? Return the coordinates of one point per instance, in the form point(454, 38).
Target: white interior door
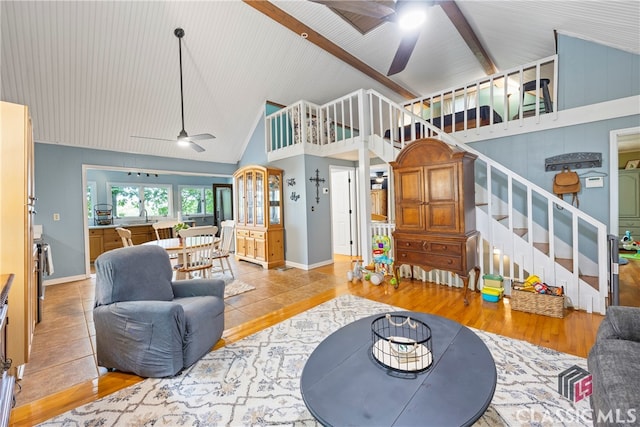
point(343, 211)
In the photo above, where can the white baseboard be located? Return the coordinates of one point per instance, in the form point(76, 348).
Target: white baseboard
point(309, 267)
point(65, 279)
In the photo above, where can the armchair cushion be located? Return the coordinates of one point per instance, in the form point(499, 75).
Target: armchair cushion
point(121, 276)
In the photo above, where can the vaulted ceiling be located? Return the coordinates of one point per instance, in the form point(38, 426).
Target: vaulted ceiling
point(94, 74)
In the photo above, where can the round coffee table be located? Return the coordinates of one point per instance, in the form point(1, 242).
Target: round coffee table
point(342, 384)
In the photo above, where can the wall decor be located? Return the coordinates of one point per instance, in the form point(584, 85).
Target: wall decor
point(294, 196)
point(573, 161)
point(291, 182)
point(632, 164)
point(317, 180)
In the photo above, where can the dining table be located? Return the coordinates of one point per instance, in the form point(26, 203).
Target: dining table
point(175, 245)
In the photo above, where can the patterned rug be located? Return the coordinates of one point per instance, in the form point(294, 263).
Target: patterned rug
point(236, 287)
point(232, 286)
point(255, 381)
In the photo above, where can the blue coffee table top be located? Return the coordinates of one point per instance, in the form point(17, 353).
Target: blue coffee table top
point(342, 384)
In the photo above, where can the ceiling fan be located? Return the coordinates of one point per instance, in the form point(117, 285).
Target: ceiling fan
point(183, 138)
point(366, 15)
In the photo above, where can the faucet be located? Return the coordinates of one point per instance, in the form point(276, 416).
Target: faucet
point(146, 215)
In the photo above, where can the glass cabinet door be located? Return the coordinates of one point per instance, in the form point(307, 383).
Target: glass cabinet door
point(250, 197)
point(241, 198)
point(274, 199)
point(260, 198)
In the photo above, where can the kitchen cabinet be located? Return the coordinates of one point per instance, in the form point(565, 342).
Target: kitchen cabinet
point(103, 239)
point(259, 215)
point(95, 244)
point(435, 212)
point(17, 209)
point(629, 202)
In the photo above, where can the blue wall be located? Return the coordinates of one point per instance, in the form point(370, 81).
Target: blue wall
point(58, 178)
point(589, 73)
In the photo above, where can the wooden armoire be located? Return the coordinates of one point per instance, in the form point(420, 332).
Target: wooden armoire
point(435, 209)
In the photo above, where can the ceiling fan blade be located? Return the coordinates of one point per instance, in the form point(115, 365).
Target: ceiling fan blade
point(150, 137)
point(372, 8)
point(201, 137)
point(195, 146)
point(400, 60)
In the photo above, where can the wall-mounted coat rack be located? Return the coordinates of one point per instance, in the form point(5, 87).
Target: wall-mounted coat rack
point(573, 161)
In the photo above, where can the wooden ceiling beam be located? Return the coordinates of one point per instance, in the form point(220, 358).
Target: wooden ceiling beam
point(454, 13)
point(319, 40)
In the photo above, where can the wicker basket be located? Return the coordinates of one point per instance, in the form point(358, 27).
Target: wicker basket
point(532, 302)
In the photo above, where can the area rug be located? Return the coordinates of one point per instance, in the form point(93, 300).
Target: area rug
point(232, 286)
point(255, 381)
point(236, 287)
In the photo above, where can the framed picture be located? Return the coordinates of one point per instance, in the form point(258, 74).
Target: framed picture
point(632, 164)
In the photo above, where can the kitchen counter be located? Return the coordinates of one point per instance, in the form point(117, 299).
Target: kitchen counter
point(124, 225)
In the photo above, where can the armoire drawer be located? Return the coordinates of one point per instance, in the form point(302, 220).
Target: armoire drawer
point(422, 258)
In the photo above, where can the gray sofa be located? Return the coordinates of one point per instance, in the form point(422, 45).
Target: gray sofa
point(614, 363)
point(148, 324)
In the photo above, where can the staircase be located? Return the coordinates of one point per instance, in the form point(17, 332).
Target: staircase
point(524, 228)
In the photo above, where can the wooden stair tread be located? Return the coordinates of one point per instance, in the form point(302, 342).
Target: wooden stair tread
point(591, 281)
point(542, 247)
point(520, 231)
point(566, 263)
point(500, 217)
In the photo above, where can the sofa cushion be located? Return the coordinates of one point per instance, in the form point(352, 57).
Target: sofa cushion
point(614, 365)
point(621, 323)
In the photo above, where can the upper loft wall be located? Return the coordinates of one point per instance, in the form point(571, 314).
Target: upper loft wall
point(255, 153)
point(590, 73)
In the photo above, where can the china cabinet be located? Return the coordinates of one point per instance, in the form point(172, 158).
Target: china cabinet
point(17, 210)
point(259, 215)
point(435, 212)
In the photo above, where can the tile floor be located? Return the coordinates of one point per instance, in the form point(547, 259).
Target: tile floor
point(63, 347)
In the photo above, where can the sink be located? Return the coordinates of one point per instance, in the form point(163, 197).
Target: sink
point(141, 222)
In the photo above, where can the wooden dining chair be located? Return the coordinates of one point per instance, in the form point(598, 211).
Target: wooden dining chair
point(164, 229)
point(197, 254)
point(125, 235)
point(223, 247)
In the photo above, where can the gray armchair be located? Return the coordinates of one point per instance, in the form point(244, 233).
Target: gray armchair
point(148, 324)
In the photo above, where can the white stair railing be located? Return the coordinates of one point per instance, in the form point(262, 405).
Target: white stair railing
point(525, 229)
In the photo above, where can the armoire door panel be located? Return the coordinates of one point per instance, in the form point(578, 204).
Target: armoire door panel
point(442, 217)
point(411, 185)
point(441, 184)
point(411, 217)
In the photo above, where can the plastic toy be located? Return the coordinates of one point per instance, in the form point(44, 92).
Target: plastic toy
point(381, 246)
point(628, 243)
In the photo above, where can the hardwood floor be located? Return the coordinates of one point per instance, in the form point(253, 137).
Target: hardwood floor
point(629, 278)
point(62, 373)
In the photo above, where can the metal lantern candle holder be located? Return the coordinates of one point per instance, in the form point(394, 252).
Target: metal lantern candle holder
point(401, 343)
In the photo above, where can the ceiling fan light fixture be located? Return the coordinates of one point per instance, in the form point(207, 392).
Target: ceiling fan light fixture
point(411, 16)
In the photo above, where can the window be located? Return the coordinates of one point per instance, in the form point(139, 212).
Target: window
point(92, 196)
point(131, 200)
point(196, 200)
